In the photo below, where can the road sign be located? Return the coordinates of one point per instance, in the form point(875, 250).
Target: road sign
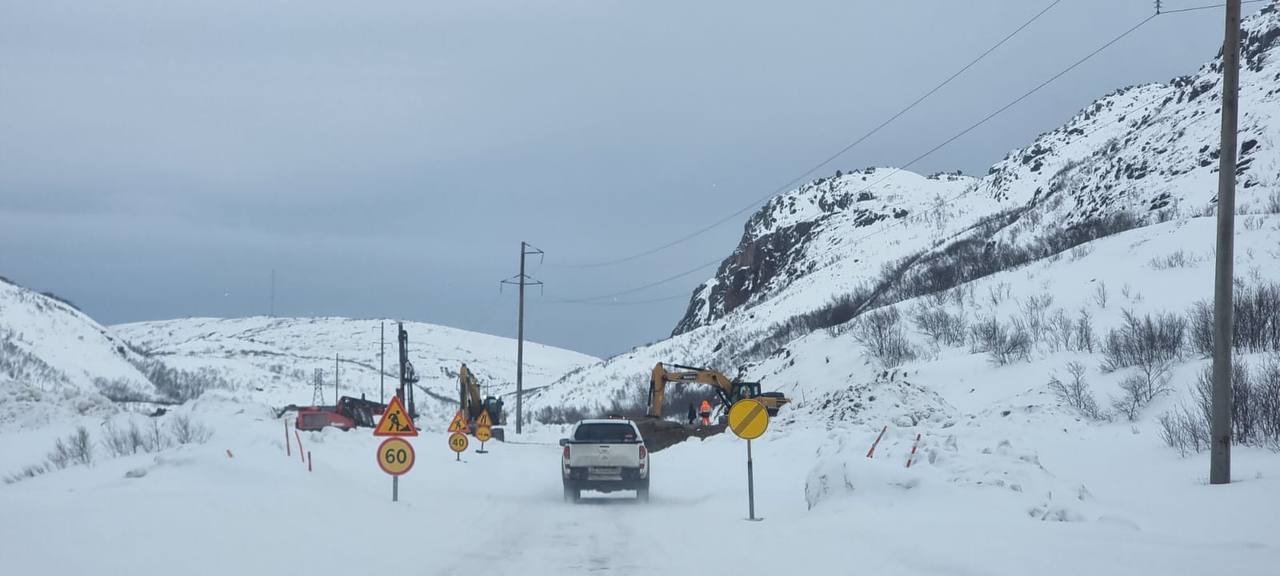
point(395, 421)
point(459, 423)
point(395, 456)
point(748, 419)
point(484, 421)
point(458, 442)
point(483, 434)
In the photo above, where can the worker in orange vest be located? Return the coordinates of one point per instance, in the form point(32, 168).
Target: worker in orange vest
point(705, 411)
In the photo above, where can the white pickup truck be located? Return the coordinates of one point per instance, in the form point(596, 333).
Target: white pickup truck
point(604, 456)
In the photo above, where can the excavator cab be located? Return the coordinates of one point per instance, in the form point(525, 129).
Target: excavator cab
point(743, 390)
point(493, 406)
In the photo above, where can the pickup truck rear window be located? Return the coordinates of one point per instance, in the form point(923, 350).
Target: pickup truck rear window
point(603, 433)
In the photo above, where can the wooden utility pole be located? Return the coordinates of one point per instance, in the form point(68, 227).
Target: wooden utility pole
point(522, 280)
point(1220, 425)
point(335, 379)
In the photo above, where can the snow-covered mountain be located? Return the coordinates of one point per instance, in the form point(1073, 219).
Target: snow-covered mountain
point(275, 360)
point(54, 358)
point(1134, 172)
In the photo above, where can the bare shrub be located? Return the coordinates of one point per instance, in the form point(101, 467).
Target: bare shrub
point(115, 440)
point(156, 439)
point(1075, 393)
point(76, 449)
point(1081, 251)
point(1184, 431)
point(186, 431)
point(1136, 391)
point(1085, 337)
point(1144, 342)
point(1100, 296)
point(1273, 202)
point(1255, 403)
point(1002, 344)
point(560, 415)
point(1034, 318)
point(943, 328)
point(882, 335)
point(1178, 259)
point(1256, 320)
point(1060, 331)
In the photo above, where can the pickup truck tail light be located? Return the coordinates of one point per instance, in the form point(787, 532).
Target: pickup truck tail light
point(566, 452)
point(643, 454)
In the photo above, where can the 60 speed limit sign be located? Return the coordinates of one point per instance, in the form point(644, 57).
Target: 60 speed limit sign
point(395, 456)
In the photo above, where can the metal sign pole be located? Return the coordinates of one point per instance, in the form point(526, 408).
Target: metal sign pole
point(751, 485)
point(395, 488)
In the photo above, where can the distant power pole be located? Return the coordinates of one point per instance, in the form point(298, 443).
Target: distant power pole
point(1220, 425)
point(271, 311)
point(522, 280)
point(335, 379)
point(317, 387)
point(382, 366)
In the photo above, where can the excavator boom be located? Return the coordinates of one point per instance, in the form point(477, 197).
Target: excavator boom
point(729, 391)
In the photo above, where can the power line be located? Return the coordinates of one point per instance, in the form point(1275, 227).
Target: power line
point(1208, 7)
point(800, 177)
point(625, 302)
point(895, 171)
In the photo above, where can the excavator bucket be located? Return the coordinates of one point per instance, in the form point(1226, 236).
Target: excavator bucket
point(661, 434)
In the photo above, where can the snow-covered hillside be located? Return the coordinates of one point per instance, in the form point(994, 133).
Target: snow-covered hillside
point(1130, 178)
point(274, 360)
point(54, 359)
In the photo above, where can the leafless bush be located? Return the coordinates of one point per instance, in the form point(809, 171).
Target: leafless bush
point(882, 335)
point(560, 415)
point(1144, 342)
point(115, 440)
point(1085, 337)
point(1076, 393)
point(1034, 316)
point(28, 473)
point(186, 431)
point(1256, 320)
point(1100, 296)
point(1002, 344)
point(1273, 202)
point(1061, 329)
point(1184, 431)
point(156, 439)
point(1137, 391)
point(76, 449)
point(942, 327)
point(1255, 403)
point(1178, 259)
point(1081, 251)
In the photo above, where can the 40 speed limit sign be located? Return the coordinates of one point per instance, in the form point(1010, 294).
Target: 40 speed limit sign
point(395, 456)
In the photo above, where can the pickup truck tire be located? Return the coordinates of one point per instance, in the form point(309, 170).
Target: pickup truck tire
point(571, 493)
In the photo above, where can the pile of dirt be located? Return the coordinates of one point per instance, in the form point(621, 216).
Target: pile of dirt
point(660, 434)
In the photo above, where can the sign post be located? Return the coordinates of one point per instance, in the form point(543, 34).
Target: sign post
point(749, 419)
point(483, 431)
point(458, 443)
point(395, 454)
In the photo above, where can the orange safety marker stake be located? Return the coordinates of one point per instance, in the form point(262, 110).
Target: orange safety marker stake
point(871, 453)
point(913, 451)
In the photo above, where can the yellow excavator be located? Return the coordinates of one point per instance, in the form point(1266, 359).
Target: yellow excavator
point(729, 391)
point(472, 405)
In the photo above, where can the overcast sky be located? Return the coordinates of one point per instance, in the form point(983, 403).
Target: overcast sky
point(159, 158)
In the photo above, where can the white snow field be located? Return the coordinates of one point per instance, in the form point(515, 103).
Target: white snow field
point(1085, 500)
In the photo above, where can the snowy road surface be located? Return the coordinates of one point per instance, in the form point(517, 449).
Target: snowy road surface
point(200, 511)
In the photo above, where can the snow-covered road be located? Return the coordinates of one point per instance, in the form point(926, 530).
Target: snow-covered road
point(200, 511)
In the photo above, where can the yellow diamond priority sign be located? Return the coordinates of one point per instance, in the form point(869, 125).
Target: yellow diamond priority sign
point(748, 419)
